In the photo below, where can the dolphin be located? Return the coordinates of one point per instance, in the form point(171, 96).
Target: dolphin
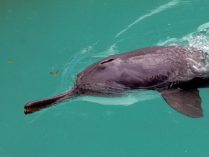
point(175, 71)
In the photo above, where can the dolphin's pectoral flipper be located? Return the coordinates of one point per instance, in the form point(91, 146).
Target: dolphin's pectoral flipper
point(187, 102)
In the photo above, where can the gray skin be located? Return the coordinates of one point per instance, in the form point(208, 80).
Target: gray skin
point(176, 72)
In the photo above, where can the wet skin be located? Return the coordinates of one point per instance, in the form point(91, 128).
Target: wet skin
point(176, 72)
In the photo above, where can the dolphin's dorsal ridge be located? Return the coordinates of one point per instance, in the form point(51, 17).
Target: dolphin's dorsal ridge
point(187, 102)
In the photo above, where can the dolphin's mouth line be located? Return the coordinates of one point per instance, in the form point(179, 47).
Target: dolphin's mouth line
point(29, 110)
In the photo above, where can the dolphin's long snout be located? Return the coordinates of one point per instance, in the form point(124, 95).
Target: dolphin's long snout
point(35, 106)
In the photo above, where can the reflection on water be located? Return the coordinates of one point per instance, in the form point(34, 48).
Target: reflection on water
point(129, 99)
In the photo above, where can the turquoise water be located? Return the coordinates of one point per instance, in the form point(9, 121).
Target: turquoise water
point(44, 44)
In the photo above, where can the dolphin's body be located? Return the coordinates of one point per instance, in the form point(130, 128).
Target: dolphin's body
point(176, 72)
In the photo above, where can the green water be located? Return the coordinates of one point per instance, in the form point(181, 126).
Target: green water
point(44, 44)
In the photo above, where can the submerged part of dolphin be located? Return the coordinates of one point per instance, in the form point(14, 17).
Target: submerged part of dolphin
point(176, 72)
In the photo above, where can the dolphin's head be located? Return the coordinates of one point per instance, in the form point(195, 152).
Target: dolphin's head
point(101, 77)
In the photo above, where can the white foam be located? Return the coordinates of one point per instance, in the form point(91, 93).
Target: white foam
point(198, 39)
point(203, 27)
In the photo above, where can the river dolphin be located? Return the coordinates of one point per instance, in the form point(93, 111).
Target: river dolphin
point(175, 71)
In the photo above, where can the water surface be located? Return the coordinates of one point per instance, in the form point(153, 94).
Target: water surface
point(44, 44)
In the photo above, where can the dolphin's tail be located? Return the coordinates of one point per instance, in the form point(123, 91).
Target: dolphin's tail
point(42, 104)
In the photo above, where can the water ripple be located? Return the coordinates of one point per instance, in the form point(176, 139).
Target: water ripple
point(152, 12)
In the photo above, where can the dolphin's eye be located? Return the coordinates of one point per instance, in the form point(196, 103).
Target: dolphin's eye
point(106, 61)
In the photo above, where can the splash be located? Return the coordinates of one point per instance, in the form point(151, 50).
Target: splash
point(198, 39)
point(153, 12)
